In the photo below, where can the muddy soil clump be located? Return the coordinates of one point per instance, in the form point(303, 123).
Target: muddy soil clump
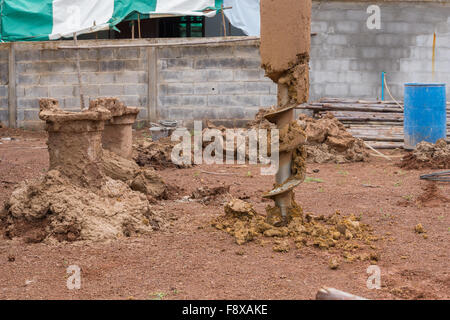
point(329, 141)
point(54, 209)
point(342, 235)
point(213, 195)
point(428, 155)
point(145, 180)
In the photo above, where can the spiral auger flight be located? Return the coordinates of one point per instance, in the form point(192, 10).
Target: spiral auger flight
point(291, 168)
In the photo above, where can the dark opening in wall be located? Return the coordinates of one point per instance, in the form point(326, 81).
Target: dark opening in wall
point(171, 27)
point(182, 27)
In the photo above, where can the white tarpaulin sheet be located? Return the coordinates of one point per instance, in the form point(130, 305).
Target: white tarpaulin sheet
point(244, 15)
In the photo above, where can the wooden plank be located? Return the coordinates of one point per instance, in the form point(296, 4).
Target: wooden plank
point(368, 116)
point(385, 145)
point(355, 119)
point(357, 114)
point(380, 139)
point(380, 122)
point(343, 107)
point(374, 106)
point(343, 100)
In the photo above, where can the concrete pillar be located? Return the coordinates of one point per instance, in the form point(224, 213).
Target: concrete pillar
point(118, 133)
point(75, 142)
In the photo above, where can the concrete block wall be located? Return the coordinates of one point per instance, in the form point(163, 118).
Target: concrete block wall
point(212, 82)
point(43, 70)
point(347, 58)
point(4, 54)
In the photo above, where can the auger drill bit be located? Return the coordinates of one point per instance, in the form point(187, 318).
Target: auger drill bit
point(285, 45)
point(285, 180)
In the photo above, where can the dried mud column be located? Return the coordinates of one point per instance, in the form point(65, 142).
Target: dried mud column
point(74, 142)
point(285, 43)
point(118, 133)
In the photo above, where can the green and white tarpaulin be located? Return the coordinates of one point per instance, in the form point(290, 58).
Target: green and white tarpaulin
point(25, 20)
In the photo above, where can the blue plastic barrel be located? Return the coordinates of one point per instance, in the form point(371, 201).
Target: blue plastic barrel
point(425, 117)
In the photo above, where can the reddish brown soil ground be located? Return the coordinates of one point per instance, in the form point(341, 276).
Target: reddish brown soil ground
point(192, 260)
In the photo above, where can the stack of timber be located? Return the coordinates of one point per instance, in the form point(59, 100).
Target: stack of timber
point(379, 123)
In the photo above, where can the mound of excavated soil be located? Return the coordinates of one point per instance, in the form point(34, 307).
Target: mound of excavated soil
point(428, 155)
point(76, 200)
point(54, 209)
point(329, 141)
point(155, 154)
point(144, 180)
point(340, 234)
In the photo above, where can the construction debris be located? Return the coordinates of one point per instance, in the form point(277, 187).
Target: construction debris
point(428, 155)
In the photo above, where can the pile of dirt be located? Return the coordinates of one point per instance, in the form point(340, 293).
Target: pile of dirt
point(75, 199)
point(55, 209)
point(144, 180)
point(329, 141)
point(428, 155)
point(155, 154)
point(327, 138)
point(342, 235)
